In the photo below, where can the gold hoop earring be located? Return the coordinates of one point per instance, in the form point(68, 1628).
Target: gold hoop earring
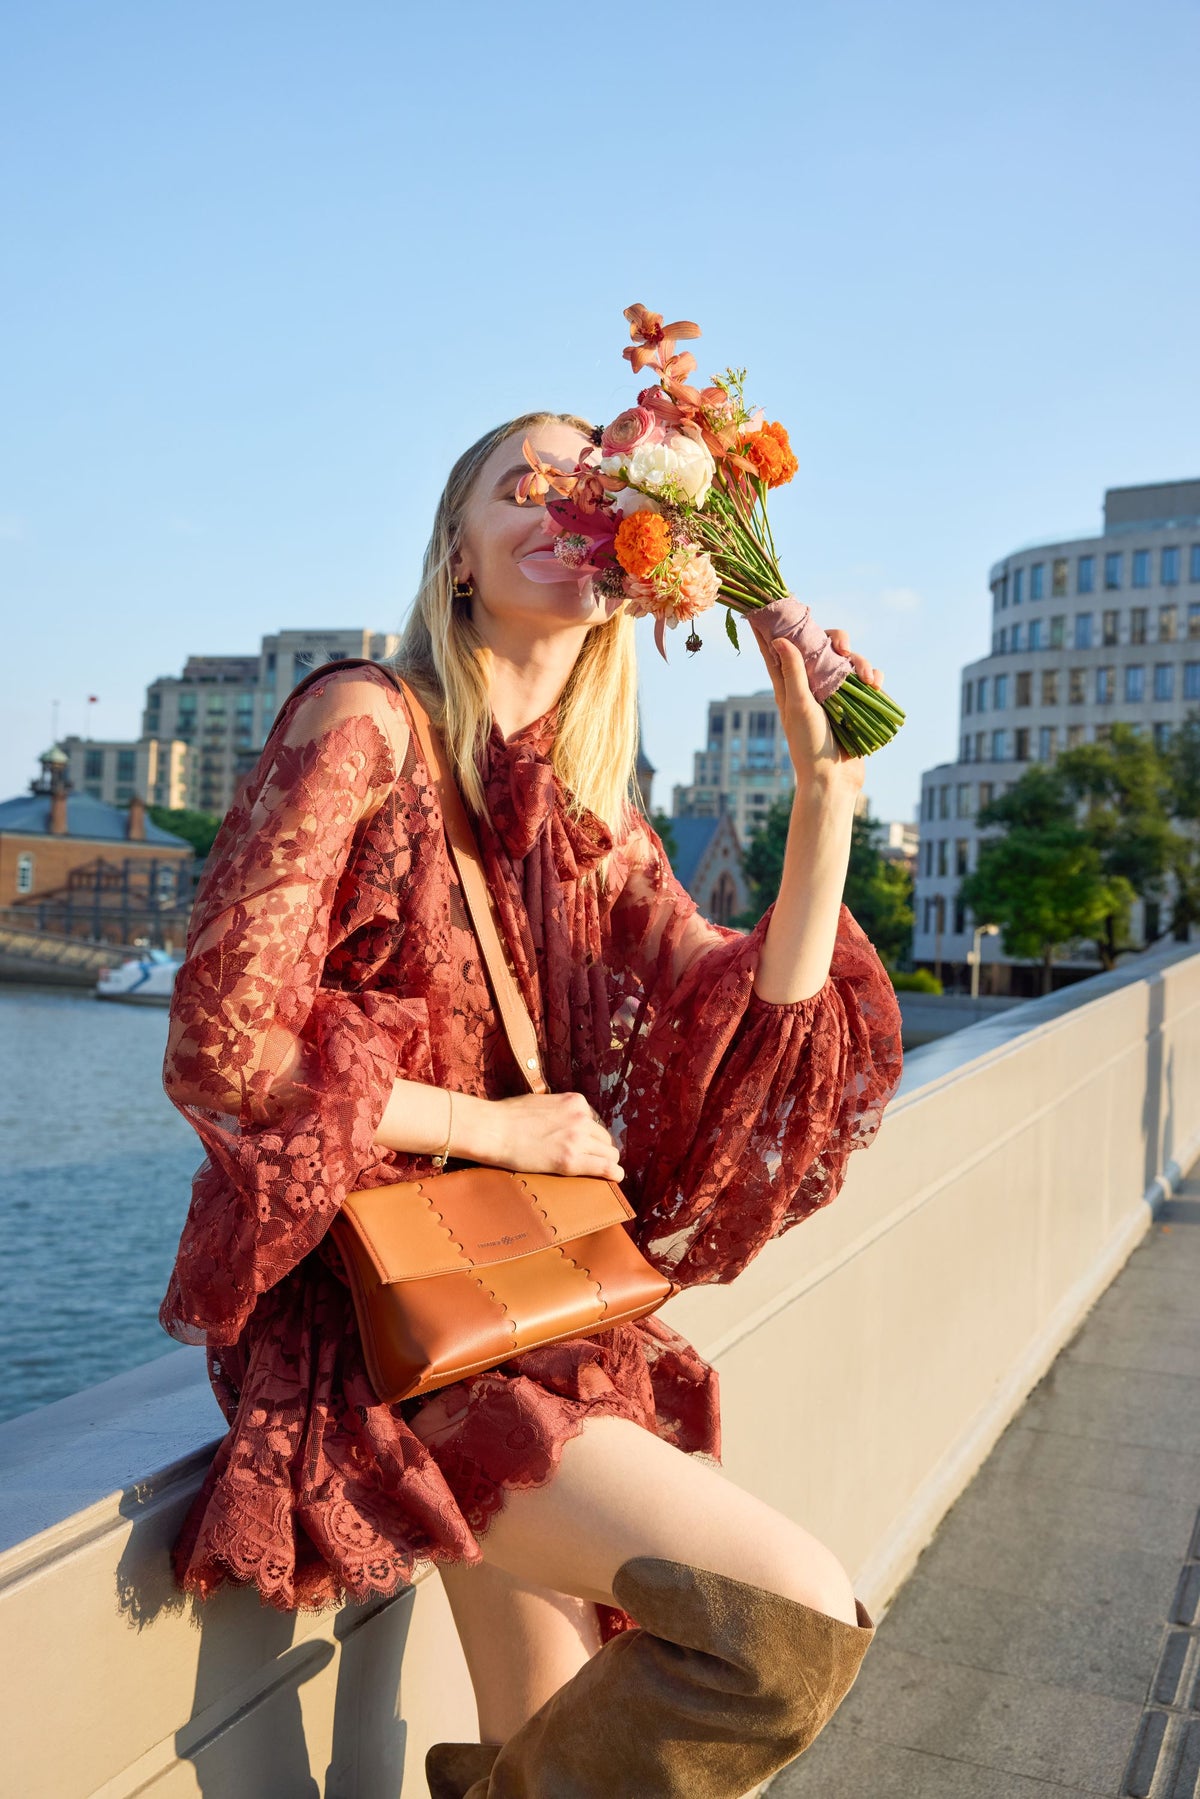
point(463, 590)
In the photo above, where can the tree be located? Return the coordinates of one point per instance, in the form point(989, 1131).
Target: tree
point(877, 891)
point(662, 825)
point(1183, 774)
point(1121, 786)
point(1042, 880)
point(198, 828)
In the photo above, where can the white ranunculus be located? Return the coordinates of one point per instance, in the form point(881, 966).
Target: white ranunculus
point(628, 499)
point(681, 469)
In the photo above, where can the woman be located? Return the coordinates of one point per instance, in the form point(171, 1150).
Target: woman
point(331, 981)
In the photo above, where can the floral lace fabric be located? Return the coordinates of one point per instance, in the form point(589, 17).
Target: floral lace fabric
point(329, 954)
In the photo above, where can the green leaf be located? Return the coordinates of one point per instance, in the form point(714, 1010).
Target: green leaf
point(731, 629)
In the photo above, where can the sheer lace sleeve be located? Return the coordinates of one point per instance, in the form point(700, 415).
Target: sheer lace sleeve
point(284, 1080)
point(740, 1114)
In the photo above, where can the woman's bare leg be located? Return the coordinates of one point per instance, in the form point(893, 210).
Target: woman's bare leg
point(521, 1642)
point(619, 1492)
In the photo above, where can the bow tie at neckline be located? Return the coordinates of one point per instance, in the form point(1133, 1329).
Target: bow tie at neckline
point(524, 796)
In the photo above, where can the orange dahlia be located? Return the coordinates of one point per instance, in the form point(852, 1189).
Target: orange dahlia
point(771, 454)
point(642, 541)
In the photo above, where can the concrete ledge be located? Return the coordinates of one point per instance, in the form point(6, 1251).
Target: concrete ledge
point(869, 1360)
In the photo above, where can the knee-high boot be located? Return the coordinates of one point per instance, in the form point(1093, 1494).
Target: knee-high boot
point(451, 1768)
point(720, 1686)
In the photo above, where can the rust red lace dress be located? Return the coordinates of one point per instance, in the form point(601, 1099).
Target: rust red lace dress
point(328, 954)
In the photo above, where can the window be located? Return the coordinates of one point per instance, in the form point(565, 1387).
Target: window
point(1162, 735)
point(980, 741)
point(1164, 680)
point(1018, 585)
point(962, 850)
point(985, 794)
point(964, 754)
point(1085, 574)
point(1191, 680)
point(1110, 626)
point(1104, 686)
point(25, 872)
point(929, 856)
point(968, 696)
point(1046, 742)
point(1001, 688)
point(1014, 637)
point(1194, 618)
point(1021, 749)
point(981, 694)
point(1135, 682)
point(1141, 568)
point(929, 802)
point(737, 723)
point(1034, 633)
point(1024, 688)
point(1137, 624)
point(930, 913)
point(126, 760)
point(941, 856)
point(997, 746)
point(1058, 626)
point(1112, 571)
point(1168, 566)
point(962, 800)
point(1194, 563)
point(1058, 577)
point(960, 914)
point(93, 765)
point(1166, 623)
point(1074, 736)
point(1083, 630)
point(1037, 580)
point(1075, 689)
point(1004, 640)
point(944, 801)
point(1049, 687)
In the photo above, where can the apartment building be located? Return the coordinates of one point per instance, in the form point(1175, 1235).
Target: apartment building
point(1084, 633)
point(155, 768)
point(743, 766)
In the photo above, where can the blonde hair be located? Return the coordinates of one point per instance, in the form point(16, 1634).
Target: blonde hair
point(443, 655)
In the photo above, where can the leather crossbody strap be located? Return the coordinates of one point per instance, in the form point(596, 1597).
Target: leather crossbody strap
point(514, 1014)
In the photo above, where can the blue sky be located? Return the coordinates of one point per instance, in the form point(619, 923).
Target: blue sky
point(269, 267)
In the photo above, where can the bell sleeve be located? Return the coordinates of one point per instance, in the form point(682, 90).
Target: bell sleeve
point(739, 1114)
point(284, 1080)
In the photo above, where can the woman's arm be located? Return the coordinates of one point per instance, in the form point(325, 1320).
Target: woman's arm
point(534, 1133)
point(797, 950)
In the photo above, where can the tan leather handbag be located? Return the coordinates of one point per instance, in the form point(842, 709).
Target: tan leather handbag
point(460, 1271)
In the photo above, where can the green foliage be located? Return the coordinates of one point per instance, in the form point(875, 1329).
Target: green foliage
point(919, 980)
point(1043, 880)
point(662, 824)
point(198, 828)
point(1183, 771)
point(1122, 790)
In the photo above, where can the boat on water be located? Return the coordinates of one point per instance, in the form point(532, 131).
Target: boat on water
point(145, 980)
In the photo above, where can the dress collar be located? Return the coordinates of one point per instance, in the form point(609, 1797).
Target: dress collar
point(525, 798)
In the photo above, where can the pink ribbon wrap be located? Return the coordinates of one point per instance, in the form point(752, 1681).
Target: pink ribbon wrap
point(793, 619)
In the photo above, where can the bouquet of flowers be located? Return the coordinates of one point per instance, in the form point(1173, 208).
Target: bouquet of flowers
point(669, 513)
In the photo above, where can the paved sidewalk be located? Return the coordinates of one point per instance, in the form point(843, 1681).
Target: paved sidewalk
point(1048, 1640)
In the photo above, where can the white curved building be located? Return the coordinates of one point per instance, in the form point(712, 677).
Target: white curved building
point(1084, 633)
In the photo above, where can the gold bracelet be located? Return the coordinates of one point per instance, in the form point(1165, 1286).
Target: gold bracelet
point(439, 1161)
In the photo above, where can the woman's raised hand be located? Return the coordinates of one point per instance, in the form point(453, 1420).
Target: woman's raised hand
point(815, 751)
point(552, 1133)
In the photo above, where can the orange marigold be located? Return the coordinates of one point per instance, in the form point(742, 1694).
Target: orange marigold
point(771, 454)
point(642, 541)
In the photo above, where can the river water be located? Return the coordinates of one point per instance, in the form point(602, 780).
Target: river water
point(95, 1177)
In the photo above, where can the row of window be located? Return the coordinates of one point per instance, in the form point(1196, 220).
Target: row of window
point(935, 913)
point(935, 856)
point(1050, 633)
point(1016, 745)
point(1020, 686)
point(1012, 584)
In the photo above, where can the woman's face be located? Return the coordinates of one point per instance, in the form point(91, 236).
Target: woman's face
point(496, 533)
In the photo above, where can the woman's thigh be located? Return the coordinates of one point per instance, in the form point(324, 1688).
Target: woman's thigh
point(620, 1491)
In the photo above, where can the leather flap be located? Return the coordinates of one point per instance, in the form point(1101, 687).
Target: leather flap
point(471, 1217)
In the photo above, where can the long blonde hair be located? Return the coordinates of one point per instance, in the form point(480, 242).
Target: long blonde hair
point(443, 655)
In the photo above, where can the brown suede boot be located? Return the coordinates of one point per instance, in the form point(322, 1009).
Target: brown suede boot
point(722, 1685)
point(450, 1768)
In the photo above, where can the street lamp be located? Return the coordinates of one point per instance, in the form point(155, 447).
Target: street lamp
point(973, 956)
